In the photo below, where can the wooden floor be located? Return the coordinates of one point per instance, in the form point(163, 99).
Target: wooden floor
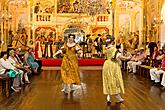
point(44, 93)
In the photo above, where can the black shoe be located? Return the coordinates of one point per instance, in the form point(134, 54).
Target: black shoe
point(157, 83)
point(153, 81)
point(109, 103)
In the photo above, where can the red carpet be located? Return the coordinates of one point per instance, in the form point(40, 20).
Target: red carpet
point(81, 62)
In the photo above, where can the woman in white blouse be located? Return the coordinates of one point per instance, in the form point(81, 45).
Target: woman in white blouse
point(16, 64)
point(6, 65)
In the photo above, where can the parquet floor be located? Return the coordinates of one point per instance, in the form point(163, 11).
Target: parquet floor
point(44, 93)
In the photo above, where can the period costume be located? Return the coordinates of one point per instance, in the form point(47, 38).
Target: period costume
point(98, 44)
point(69, 68)
point(38, 49)
point(112, 76)
point(48, 48)
point(89, 46)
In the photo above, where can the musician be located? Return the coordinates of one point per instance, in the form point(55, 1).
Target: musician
point(98, 45)
point(89, 46)
point(38, 48)
point(48, 47)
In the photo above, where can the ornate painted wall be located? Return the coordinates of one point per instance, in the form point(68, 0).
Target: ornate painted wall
point(162, 27)
point(39, 15)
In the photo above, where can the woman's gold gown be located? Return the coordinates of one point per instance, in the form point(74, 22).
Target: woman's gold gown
point(112, 76)
point(69, 68)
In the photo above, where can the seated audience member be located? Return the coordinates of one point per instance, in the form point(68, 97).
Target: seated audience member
point(163, 78)
point(156, 72)
point(25, 67)
point(6, 67)
point(154, 55)
point(139, 59)
point(158, 59)
point(15, 63)
point(128, 56)
point(36, 60)
point(30, 61)
point(147, 61)
point(133, 58)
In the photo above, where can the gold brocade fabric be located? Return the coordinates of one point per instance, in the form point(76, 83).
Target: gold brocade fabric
point(112, 76)
point(69, 67)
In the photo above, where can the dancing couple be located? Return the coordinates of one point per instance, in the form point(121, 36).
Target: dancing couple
point(112, 76)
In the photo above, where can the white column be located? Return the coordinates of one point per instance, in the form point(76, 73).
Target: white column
point(29, 22)
point(141, 28)
point(2, 35)
point(116, 23)
point(162, 34)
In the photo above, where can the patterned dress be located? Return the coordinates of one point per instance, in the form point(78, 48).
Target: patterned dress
point(31, 61)
point(112, 76)
point(69, 67)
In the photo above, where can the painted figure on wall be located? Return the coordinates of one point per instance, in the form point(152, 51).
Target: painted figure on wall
point(81, 6)
point(11, 37)
point(24, 37)
point(37, 8)
point(44, 6)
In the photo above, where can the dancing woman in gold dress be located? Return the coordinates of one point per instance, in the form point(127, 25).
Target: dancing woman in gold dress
point(112, 76)
point(69, 68)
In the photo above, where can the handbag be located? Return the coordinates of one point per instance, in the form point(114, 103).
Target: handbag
point(11, 73)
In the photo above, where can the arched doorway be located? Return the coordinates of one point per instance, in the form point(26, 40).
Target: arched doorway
point(75, 26)
point(79, 34)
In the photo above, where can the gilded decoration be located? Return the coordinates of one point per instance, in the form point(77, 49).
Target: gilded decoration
point(44, 6)
point(90, 7)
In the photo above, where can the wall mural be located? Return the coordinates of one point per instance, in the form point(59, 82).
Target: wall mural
point(44, 6)
point(91, 7)
point(44, 13)
point(44, 32)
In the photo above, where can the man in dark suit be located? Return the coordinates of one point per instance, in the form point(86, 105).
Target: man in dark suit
point(98, 45)
point(151, 47)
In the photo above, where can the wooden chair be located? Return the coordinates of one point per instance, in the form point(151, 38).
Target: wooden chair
point(5, 85)
point(144, 70)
